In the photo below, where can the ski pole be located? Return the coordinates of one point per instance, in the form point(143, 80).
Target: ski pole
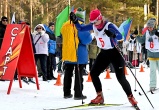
point(116, 46)
point(80, 81)
point(59, 62)
point(135, 69)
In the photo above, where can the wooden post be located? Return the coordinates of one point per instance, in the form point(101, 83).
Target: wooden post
point(31, 11)
point(5, 9)
point(157, 11)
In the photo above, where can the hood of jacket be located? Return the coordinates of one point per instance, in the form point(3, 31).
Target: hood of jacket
point(42, 32)
point(41, 26)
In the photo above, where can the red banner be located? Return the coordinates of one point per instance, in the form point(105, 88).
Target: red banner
point(10, 51)
point(17, 53)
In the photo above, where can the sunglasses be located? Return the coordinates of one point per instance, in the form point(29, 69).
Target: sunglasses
point(38, 28)
point(5, 20)
point(94, 22)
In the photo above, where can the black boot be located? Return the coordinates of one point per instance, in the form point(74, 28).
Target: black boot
point(54, 78)
point(44, 78)
point(80, 97)
point(31, 80)
point(2, 80)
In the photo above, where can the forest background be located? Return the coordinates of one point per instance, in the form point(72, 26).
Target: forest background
point(116, 11)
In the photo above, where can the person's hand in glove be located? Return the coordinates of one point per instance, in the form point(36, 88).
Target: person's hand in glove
point(130, 41)
point(135, 41)
point(109, 33)
point(157, 33)
point(73, 18)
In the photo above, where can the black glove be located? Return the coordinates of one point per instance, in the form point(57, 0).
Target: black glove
point(109, 33)
point(135, 41)
point(157, 33)
point(130, 41)
point(73, 18)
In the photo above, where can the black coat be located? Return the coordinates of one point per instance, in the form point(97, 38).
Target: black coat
point(51, 36)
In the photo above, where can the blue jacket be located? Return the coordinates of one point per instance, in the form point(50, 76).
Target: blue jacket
point(52, 46)
point(111, 28)
point(82, 53)
point(52, 41)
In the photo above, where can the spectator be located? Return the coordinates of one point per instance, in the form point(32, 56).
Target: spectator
point(136, 54)
point(59, 53)
point(124, 50)
point(3, 25)
point(134, 49)
point(144, 54)
point(131, 45)
point(41, 39)
point(51, 61)
point(93, 51)
point(75, 55)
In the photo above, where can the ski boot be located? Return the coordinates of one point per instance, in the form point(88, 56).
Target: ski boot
point(152, 88)
point(98, 100)
point(132, 100)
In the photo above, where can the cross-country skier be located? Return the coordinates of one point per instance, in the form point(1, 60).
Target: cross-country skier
point(106, 34)
point(151, 41)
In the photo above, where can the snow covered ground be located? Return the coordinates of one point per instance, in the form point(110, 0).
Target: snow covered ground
point(51, 97)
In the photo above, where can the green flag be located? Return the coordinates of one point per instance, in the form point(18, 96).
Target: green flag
point(60, 19)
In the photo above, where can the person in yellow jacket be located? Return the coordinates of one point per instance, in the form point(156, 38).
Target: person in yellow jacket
point(74, 55)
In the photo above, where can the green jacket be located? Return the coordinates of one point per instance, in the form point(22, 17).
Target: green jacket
point(93, 50)
point(142, 39)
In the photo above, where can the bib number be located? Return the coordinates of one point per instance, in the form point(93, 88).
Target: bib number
point(102, 42)
point(151, 45)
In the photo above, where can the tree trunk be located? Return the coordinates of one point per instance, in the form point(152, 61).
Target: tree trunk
point(1, 8)
point(31, 11)
point(47, 10)
point(157, 11)
point(5, 8)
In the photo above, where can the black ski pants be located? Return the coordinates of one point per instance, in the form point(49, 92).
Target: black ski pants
point(78, 81)
point(104, 58)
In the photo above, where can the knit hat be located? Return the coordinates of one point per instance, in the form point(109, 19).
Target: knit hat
point(151, 22)
point(95, 15)
point(80, 14)
point(4, 18)
point(51, 23)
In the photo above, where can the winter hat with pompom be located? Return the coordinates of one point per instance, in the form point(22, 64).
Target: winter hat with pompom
point(80, 14)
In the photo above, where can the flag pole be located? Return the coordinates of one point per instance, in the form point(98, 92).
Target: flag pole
point(13, 18)
point(69, 2)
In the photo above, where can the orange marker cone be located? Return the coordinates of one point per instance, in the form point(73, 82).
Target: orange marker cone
point(89, 78)
point(107, 74)
point(125, 71)
point(141, 69)
point(58, 81)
